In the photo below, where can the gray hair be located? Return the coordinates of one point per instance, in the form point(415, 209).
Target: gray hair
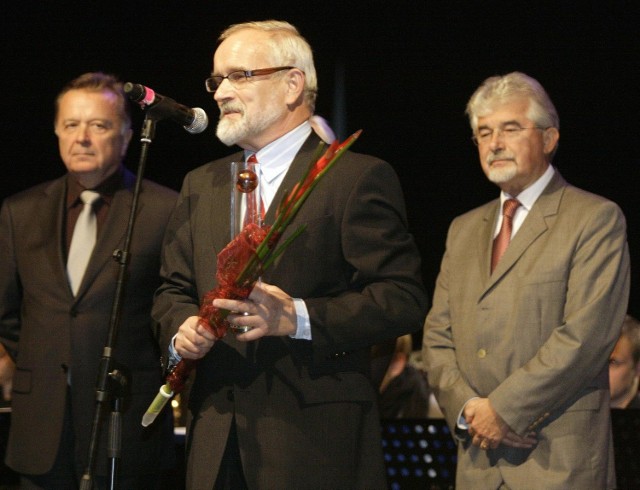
point(288, 48)
point(498, 89)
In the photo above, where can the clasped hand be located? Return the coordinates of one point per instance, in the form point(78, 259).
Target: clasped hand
point(268, 310)
point(488, 429)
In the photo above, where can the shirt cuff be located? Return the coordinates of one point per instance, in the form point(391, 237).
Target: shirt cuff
point(462, 423)
point(461, 431)
point(174, 357)
point(303, 331)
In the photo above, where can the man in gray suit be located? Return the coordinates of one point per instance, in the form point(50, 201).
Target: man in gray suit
point(55, 330)
point(290, 403)
point(517, 343)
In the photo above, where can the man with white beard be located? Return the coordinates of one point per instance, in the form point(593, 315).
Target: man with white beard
point(289, 403)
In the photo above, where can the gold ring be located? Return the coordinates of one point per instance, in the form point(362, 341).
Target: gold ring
point(484, 445)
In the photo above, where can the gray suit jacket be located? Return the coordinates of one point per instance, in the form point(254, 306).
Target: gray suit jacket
point(305, 410)
point(534, 336)
point(53, 332)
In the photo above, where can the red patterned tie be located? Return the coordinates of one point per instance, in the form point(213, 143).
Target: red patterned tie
point(251, 213)
point(501, 241)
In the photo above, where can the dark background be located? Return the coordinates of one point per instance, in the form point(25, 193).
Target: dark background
point(401, 70)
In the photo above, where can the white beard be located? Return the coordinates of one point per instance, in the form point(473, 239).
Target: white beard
point(232, 132)
point(229, 132)
point(503, 174)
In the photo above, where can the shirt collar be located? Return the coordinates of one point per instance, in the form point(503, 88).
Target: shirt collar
point(106, 189)
point(530, 195)
point(276, 157)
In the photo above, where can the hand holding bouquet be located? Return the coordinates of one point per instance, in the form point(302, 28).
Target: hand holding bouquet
point(244, 259)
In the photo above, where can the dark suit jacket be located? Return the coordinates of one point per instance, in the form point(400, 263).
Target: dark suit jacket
point(305, 410)
point(534, 337)
point(58, 332)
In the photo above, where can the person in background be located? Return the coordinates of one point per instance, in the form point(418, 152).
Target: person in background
point(55, 308)
point(404, 391)
point(290, 402)
point(528, 305)
point(624, 366)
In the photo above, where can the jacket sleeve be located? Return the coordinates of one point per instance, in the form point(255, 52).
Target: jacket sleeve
point(10, 290)
point(375, 270)
point(439, 350)
point(176, 299)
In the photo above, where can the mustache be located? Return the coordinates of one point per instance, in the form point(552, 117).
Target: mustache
point(227, 107)
point(498, 156)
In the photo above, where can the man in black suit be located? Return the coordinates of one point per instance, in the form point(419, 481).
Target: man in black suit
point(290, 403)
point(53, 332)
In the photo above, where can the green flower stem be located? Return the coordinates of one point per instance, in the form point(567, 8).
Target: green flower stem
point(265, 254)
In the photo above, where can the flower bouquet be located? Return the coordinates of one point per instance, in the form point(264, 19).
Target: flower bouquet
point(244, 259)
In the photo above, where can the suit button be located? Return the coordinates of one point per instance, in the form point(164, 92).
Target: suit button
point(230, 395)
point(482, 353)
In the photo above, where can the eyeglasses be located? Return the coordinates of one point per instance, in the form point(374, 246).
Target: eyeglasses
point(239, 77)
point(508, 132)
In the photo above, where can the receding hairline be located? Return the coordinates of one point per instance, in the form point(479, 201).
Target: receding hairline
point(266, 26)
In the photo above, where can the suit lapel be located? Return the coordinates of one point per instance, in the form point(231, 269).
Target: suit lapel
point(51, 227)
point(533, 226)
point(294, 174)
point(486, 241)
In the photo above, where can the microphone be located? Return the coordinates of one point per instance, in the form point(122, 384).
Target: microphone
point(193, 120)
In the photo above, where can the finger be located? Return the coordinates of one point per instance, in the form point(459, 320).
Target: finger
point(253, 334)
point(238, 315)
point(227, 304)
point(192, 344)
point(242, 320)
point(185, 348)
point(205, 332)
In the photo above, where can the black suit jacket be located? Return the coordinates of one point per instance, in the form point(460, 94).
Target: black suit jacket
point(55, 333)
point(305, 410)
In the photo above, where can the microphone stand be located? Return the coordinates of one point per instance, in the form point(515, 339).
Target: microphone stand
point(112, 383)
